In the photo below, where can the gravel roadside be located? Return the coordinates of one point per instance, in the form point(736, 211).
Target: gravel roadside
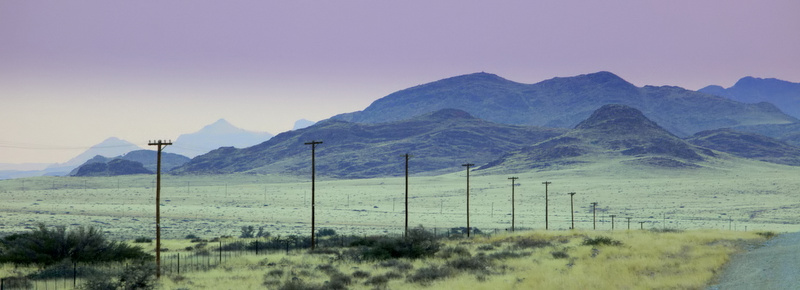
point(775, 265)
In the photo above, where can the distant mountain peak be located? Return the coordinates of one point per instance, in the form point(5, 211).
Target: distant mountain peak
point(220, 126)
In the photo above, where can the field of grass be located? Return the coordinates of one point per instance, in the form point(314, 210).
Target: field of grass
point(752, 196)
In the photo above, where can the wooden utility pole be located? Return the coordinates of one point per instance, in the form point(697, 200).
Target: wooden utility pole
point(468, 165)
point(546, 214)
point(629, 222)
point(161, 144)
point(612, 221)
point(594, 215)
point(641, 225)
point(572, 209)
point(313, 176)
point(513, 181)
point(407, 157)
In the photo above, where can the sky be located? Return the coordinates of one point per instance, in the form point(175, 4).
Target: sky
point(73, 73)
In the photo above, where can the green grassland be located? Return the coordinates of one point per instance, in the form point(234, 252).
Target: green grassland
point(733, 193)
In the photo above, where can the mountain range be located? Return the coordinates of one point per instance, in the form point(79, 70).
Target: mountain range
point(439, 141)
point(564, 102)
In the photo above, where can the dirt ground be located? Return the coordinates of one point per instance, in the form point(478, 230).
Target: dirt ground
point(774, 265)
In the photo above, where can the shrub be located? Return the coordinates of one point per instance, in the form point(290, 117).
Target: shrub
point(478, 263)
point(600, 241)
point(458, 251)
point(262, 233)
point(191, 237)
point(665, 230)
point(45, 247)
point(429, 274)
point(140, 275)
point(560, 255)
point(767, 235)
point(397, 264)
point(247, 232)
point(418, 243)
point(326, 232)
point(361, 274)
point(507, 254)
point(528, 243)
point(143, 240)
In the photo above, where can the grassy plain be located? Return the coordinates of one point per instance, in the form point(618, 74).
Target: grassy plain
point(741, 195)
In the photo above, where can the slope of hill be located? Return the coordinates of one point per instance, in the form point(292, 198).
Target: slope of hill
point(613, 131)
point(748, 145)
point(440, 142)
point(219, 134)
point(564, 102)
point(784, 94)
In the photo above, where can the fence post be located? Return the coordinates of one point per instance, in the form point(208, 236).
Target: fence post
point(220, 251)
point(74, 274)
point(179, 263)
point(2, 283)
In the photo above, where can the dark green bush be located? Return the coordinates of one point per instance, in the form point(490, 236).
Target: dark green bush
point(45, 247)
point(418, 243)
point(560, 255)
point(143, 240)
point(326, 233)
point(601, 241)
point(397, 264)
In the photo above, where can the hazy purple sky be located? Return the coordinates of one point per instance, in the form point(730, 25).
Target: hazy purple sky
point(73, 73)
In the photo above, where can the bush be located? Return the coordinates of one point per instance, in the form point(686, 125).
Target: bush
point(506, 254)
point(528, 243)
point(429, 274)
point(326, 233)
point(358, 274)
point(247, 232)
point(767, 235)
point(46, 247)
point(458, 251)
point(191, 237)
point(418, 243)
point(600, 241)
point(143, 240)
point(137, 276)
point(397, 264)
point(560, 255)
point(478, 263)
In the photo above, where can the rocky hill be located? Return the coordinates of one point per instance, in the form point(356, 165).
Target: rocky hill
point(440, 142)
point(613, 131)
point(114, 167)
point(564, 102)
point(147, 159)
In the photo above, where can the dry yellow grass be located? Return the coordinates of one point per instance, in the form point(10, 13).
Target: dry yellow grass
point(645, 260)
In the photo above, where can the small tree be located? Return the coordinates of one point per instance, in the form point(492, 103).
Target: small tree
point(247, 232)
